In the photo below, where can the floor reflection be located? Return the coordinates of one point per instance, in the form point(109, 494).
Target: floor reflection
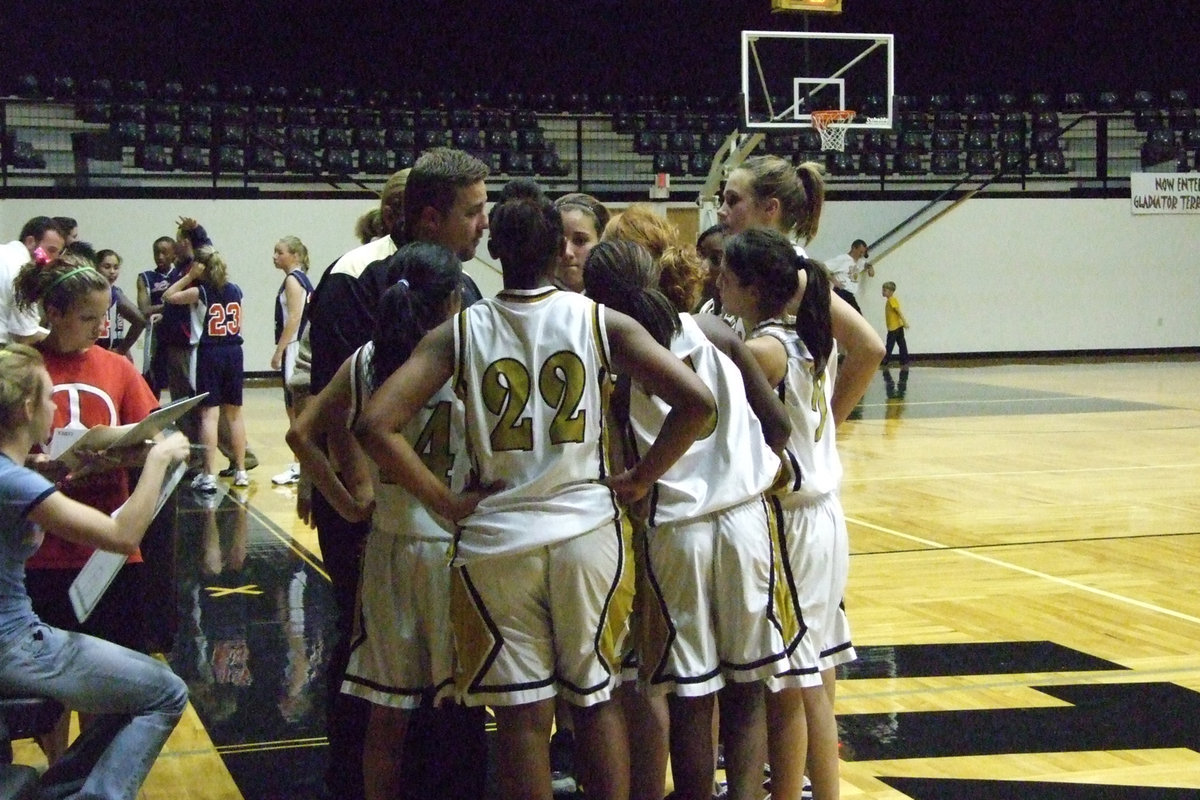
point(255, 623)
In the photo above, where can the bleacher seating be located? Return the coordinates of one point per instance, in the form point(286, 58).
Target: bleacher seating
point(311, 130)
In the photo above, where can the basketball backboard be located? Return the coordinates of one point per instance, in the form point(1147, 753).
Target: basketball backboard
point(788, 74)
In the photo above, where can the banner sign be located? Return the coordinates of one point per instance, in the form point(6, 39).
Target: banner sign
point(1165, 192)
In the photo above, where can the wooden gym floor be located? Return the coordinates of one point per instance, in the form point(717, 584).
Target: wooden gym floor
point(1026, 551)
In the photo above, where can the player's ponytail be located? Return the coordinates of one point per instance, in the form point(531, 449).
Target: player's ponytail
point(813, 321)
point(422, 277)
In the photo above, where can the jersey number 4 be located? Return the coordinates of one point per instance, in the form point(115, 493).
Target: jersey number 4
point(224, 320)
point(507, 390)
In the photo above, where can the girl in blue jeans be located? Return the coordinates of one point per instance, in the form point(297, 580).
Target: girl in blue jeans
point(136, 700)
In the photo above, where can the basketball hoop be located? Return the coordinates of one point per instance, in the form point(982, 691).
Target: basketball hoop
point(832, 127)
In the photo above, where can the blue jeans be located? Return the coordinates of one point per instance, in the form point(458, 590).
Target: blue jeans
point(136, 700)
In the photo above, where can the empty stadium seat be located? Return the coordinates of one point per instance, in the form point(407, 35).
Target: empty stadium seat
point(374, 161)
point(62, 87)
point(946, 162)
point(401, 138)
point(1142, 99)
point(669, 163)
point(370, 138)
point(1109, 103)
point(263, 159)
point(974, 102)
point(470, 139)
point(1160, 146)
point(808, 140)
point(913, 142)
point(127, 133)
point(842, 164)
point(330, 117)
point(307, 136)
point(233, 133)
point(944, 140)
point(300, 116)
point(1075, 102)
point(979, 140)
point(548, 162)
point(230, 158)
point(1044, 140)
point(981, 162)
point(432, 137)
point(877, 142)
point(517, 163)
point(1007, 101)
point(165, 133)
point(1014, 162)
point(909, 163)
point(699, 163)
point(339, 160)
point(1148, 119)
point(299, 159)
point(463, 118)
point(190, 158)
point(1012, 121)
point(873, 163)
point(941, 102)
point(404, 159)
point(342, 138)
point(153, 157)
point(947, 121)
point(1051, 162)
point(1044, 120)
point(1182, 118)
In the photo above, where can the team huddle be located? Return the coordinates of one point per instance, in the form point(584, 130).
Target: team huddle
point(600, 497)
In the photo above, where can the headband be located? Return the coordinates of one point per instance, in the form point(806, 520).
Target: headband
point(70, 274)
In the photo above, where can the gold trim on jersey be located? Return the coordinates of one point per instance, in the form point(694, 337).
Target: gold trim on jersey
point(519, 296)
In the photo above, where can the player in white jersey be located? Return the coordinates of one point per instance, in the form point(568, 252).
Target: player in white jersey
point(760, 271)
point(541, 591)
point(402, 649)
point(708, 542)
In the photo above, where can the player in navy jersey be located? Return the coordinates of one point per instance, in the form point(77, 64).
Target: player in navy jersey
point(216, 325)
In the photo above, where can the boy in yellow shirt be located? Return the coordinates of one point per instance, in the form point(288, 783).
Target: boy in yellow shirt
point(896, 323)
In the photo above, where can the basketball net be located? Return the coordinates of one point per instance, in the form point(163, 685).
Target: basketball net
point(832, 127)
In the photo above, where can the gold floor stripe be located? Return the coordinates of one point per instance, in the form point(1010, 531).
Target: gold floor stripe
point(1031, 572)
point(277, 744)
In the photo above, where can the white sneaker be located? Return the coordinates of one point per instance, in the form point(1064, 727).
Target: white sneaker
point(240, 478)
point(205, 483)
point(289, 475)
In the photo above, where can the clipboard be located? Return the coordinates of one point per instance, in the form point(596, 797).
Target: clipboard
point(102, 567)
point(103, 437)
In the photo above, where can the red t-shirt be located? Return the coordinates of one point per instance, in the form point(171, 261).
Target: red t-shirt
point(95, 387)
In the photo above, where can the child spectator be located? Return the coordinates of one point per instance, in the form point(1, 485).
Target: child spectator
point(893, 317)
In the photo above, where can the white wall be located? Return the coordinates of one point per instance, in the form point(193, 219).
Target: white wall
point(245, 231)
point(994, 275)
point(997, 275)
